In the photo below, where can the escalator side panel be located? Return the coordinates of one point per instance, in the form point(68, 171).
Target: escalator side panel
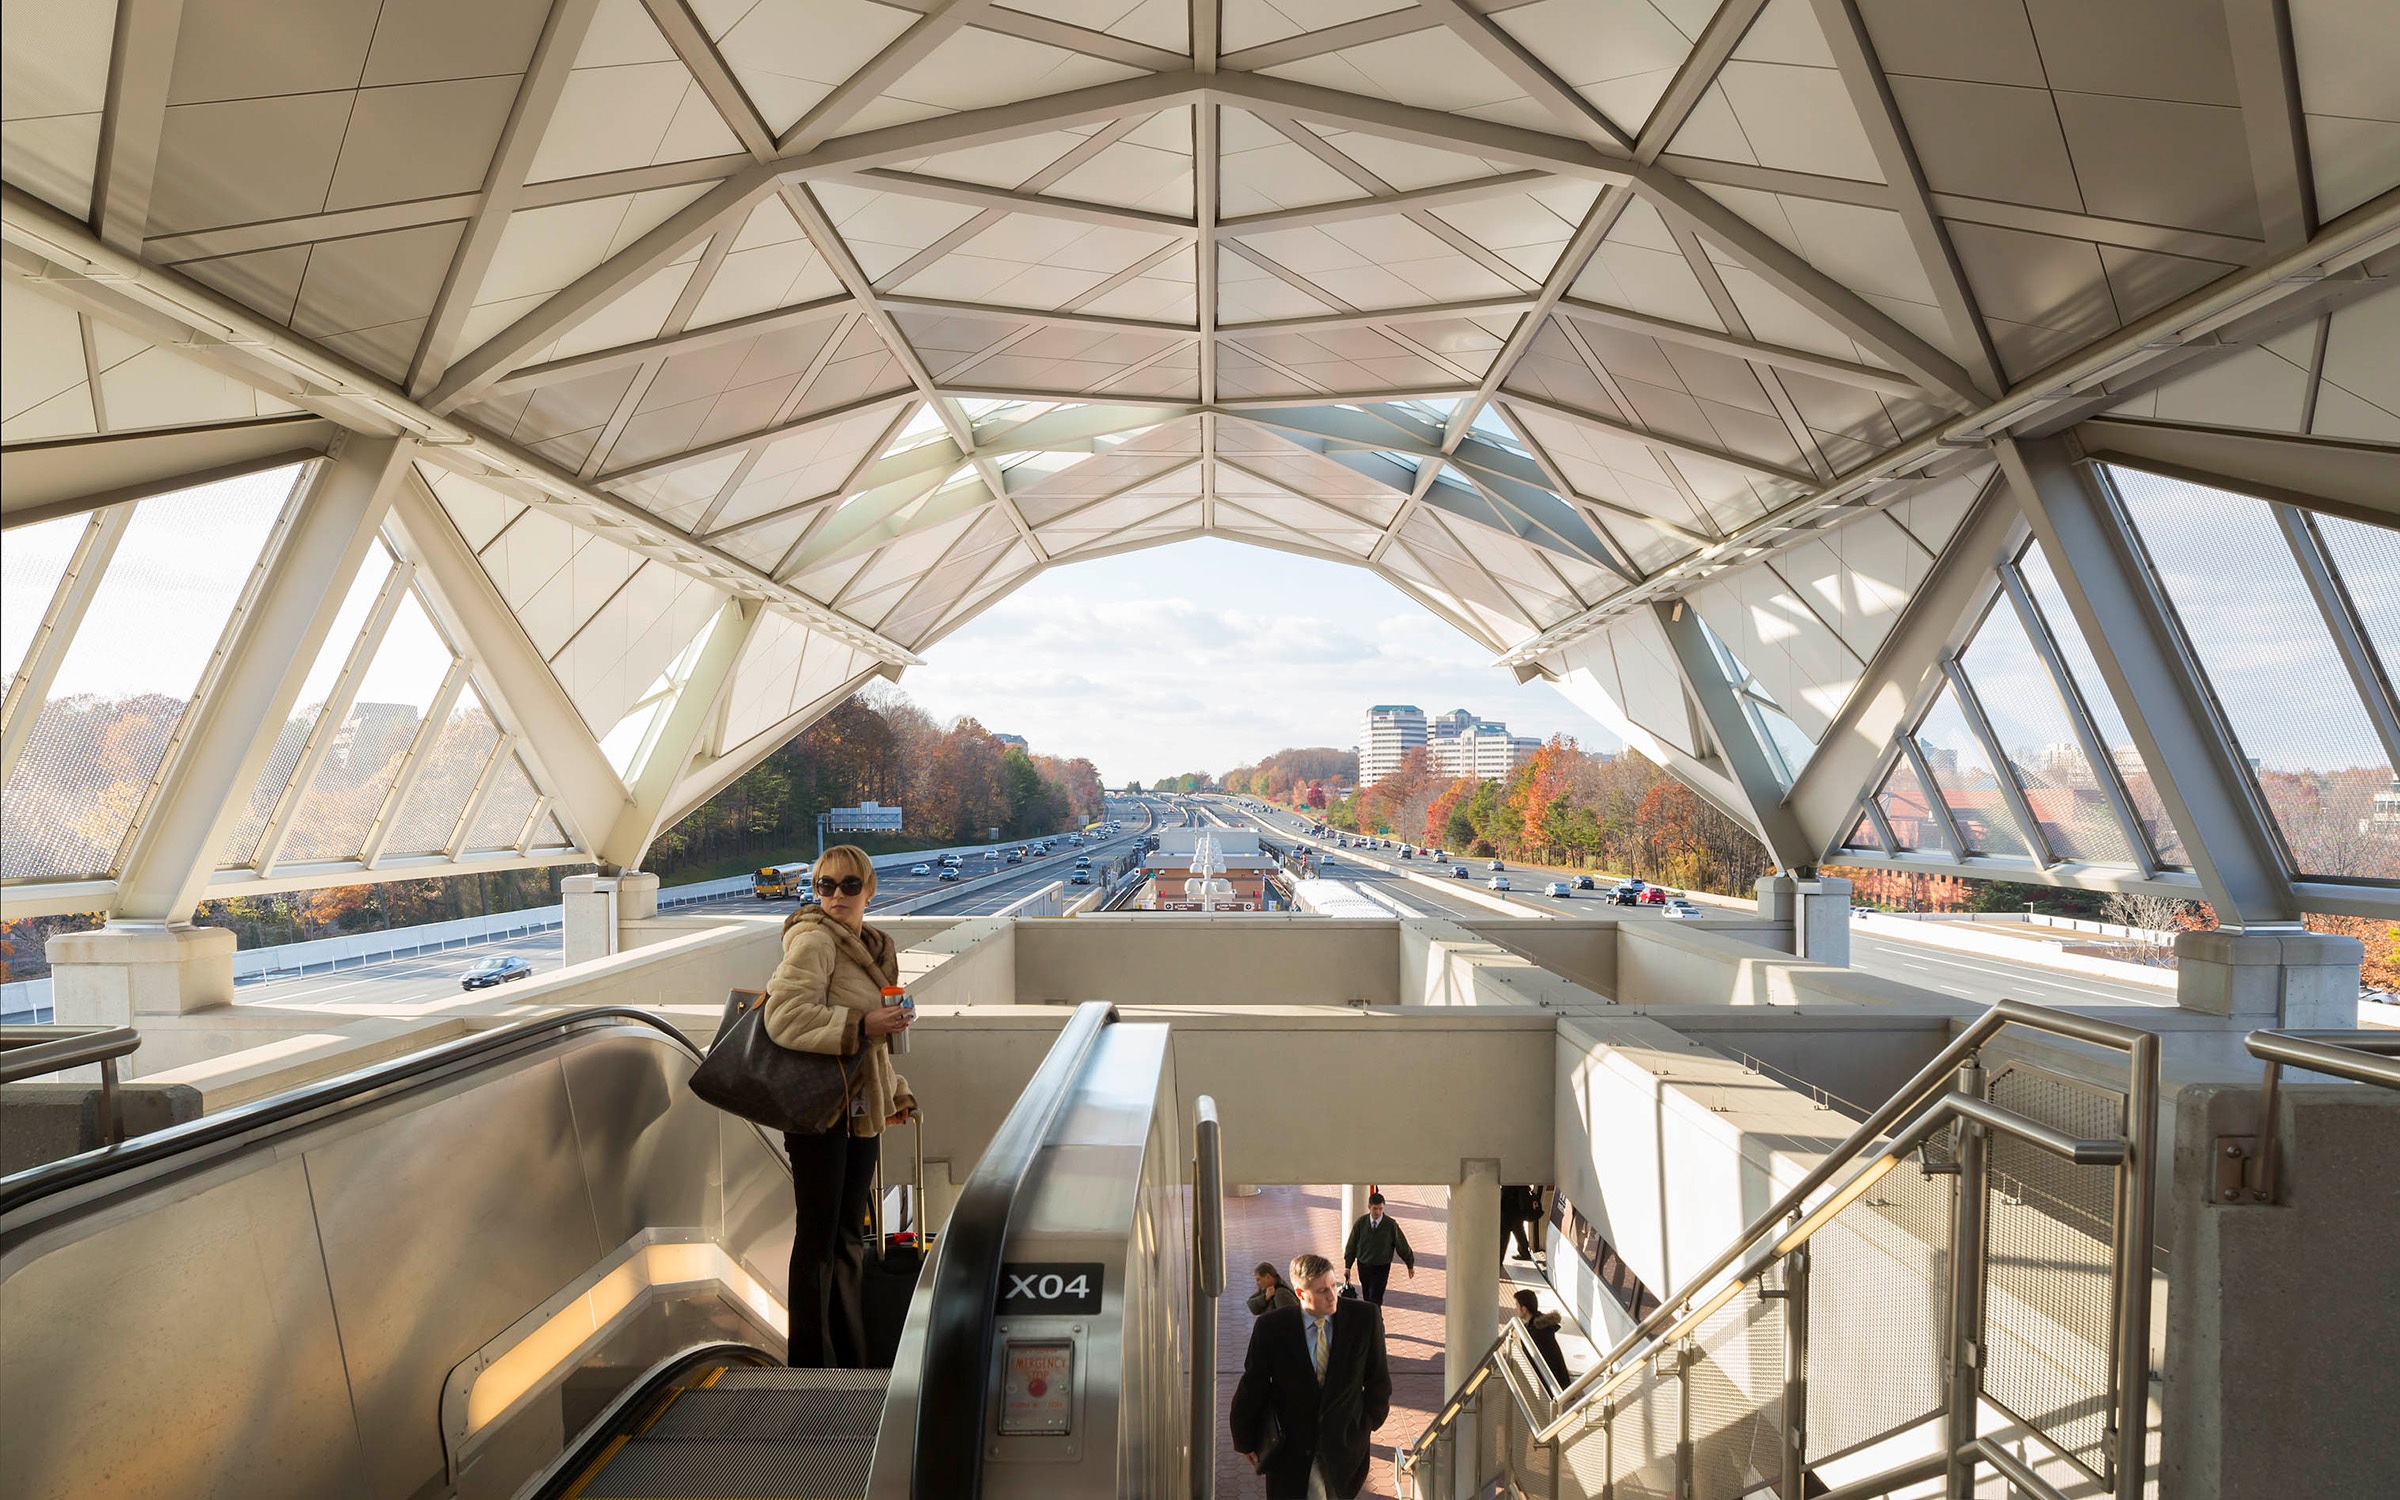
point(175, 1336)
point(114, 1388)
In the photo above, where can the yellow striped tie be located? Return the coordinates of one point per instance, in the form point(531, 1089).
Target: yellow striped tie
point(1316, 1345)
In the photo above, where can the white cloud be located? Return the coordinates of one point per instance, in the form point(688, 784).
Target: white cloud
point(1209, 654)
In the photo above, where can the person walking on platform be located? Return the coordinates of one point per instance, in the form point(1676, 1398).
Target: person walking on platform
point(1314, 1383)
point(1374, 1240)
point(1543, 1328)
point(1516, 1211)
point(1272, 1293)
point(827, 996)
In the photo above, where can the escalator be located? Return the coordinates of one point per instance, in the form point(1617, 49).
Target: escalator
point(530, 1264)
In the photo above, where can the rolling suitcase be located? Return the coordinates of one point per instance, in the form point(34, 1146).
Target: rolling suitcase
point(891, 1274)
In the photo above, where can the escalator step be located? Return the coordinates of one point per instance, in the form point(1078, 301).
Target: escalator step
point(720, 1413)
point(736, 1469)
point(778, 1378)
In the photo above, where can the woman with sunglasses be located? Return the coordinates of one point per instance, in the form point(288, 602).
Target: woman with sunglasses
point(827, 996)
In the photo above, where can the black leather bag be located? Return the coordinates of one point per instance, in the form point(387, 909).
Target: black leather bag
point(748, 1074)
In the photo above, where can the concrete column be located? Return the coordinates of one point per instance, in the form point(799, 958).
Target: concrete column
point(1354, 1203)
point(596, 910)
point(1815, 912)
point(2270, 976)
point(1471, 1290)
point(117, 975)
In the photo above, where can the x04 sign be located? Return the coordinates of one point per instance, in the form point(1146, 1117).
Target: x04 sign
point(1049, 1287)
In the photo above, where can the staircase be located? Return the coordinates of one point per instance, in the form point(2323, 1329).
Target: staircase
point(1958, 1293)
point(743, 1433)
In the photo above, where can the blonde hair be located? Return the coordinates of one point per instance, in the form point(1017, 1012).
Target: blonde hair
point(847, 859)
point(1308, 1267)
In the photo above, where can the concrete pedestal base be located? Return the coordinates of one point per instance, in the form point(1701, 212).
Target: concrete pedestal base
point(112, 976)
point(596, 909)
point(2280, 976)
point(1815, 912)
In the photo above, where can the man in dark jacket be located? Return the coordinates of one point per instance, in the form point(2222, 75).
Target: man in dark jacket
point(1314, 1384)
point(1374, 1240)
point(1543, 1328)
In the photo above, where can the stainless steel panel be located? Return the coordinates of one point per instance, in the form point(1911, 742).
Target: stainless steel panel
point(441, 1228)
point(183, 1353)
point(757, 1197)
point(649, 1147)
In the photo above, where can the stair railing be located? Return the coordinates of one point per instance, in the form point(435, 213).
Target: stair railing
point(1709, 1397)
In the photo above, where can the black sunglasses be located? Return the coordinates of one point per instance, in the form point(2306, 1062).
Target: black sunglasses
point(848, 885)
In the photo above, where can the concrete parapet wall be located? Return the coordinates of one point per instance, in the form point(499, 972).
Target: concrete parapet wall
point(1169, 959)
point(1962, 937)
point(1306, 1093)
point(1581, 949)
point(1728, 963)
point(1445, 964)
point(1670, 1148)
point(2280, 1378)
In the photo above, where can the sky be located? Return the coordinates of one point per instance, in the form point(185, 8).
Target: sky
point(1208, 654)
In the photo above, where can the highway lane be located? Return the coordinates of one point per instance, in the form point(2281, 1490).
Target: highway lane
point(1946, 971)
point(428, 982)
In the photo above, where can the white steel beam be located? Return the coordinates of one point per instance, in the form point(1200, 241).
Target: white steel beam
point(673, 744)
point(2200, 778)
point(1752, 771)
point(667, 346)
point(2357, 479)
point(68, 476)
point(2266, 78)
point(471, 609)
point(503, 186)
point(1644, 435)
point(29, 689)
point(1823, 366)
point(133, 119)
point(941, 22)
point(236, 724)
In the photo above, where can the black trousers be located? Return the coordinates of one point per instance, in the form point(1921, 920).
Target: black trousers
point(1517, 1228)
point(1372, 1280)
point(833, 1183)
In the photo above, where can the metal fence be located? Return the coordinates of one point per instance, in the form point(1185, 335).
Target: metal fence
point(1981, 1241)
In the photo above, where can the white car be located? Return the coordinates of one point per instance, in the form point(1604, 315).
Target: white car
point(952, 860)
point(920, 869)
point(1558, 888)
point(1496, 883)
point(1496, 865)
point(1680, 908)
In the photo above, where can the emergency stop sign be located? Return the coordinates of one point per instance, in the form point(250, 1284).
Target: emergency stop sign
point(1037, 1395)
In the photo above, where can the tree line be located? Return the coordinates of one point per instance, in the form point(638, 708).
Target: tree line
point(1564, 806)
point(955, 784)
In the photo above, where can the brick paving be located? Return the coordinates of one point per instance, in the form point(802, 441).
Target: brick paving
point(1280, 1223)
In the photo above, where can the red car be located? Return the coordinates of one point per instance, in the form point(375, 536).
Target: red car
point(1654, 896)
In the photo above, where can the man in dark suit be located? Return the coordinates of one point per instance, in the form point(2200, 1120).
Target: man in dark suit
point(1314, 1384)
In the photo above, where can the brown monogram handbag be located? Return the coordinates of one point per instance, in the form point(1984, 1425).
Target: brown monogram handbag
point(747, 1073)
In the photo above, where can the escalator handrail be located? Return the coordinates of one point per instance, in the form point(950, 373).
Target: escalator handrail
point(953, 1392)
point(21, 1189)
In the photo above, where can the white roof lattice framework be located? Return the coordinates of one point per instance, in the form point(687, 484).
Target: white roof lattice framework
point(795, 334)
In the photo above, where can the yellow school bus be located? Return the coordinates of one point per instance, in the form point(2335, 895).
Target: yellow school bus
point(779, 882)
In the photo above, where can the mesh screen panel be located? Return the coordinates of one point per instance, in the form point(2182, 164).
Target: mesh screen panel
point(125, 682)
point(456, 758)
point(1528, 1461)
point(2048, 1313)
point(32, 566)
point(1582, 1464)
point(1966, 779)
point(375, 737)
point(2059, 620)
point(1909, 810)
point(1649, 1424)
point(1876, 1317)
point(1735, 1391)
point(242, 844)
point(502, 821)
point(2029, 719)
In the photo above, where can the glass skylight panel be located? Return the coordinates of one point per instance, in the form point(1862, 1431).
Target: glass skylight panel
point(2020, 700)
point(1862, 835)
point(460, 750)
point(1490, 424)
point(130, 671)
point(1790, 744)
point(923, 426)
point(2132, 771)
point(501, 822)
point(1964, 777)
point(623, 744)
point(2260, 640)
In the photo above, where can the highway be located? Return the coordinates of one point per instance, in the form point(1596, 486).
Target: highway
point(429, 983)
point(1967, 976)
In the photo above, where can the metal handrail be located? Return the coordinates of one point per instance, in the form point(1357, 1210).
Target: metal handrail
point(1867, 1148)
point(28, 1187)
point(954, 1393)
point(2360, 1056)
point(33, 1051)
